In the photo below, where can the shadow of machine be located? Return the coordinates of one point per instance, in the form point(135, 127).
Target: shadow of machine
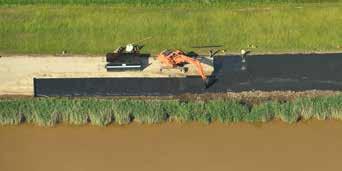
point(126, 61)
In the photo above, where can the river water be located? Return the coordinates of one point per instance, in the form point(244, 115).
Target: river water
point(314, 145)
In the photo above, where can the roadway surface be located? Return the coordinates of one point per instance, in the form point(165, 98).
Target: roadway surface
point(295, 72)
point(17, 72)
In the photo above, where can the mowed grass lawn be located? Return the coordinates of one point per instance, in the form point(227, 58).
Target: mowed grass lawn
point(97, 29)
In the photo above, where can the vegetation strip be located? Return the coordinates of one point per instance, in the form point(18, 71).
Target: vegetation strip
point(97, 29)
point(148, 3)
point(101, 112)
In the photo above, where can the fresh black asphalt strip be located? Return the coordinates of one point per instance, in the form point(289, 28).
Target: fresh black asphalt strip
point(295, 72)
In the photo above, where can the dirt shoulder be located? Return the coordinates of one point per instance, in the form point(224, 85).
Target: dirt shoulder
point(17, 72)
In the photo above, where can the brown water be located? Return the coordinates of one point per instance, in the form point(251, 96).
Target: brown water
point(316, 145)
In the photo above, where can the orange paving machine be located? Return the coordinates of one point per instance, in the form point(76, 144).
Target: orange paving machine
point(177, 59)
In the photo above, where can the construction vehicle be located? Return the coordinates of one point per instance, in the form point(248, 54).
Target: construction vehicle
point(177, 59)
point(126, 57)
point(131, 49)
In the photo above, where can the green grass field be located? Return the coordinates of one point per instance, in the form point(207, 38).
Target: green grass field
point(90, 27)
point(158, 3)
point(101, 112)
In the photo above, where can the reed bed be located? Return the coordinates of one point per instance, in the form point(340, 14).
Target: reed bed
point(48, 112)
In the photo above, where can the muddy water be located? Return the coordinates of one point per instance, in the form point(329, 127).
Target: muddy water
point(316, 145)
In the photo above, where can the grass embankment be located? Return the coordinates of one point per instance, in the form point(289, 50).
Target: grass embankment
point(92, 28)
point(158, 3)
point(101, 112)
